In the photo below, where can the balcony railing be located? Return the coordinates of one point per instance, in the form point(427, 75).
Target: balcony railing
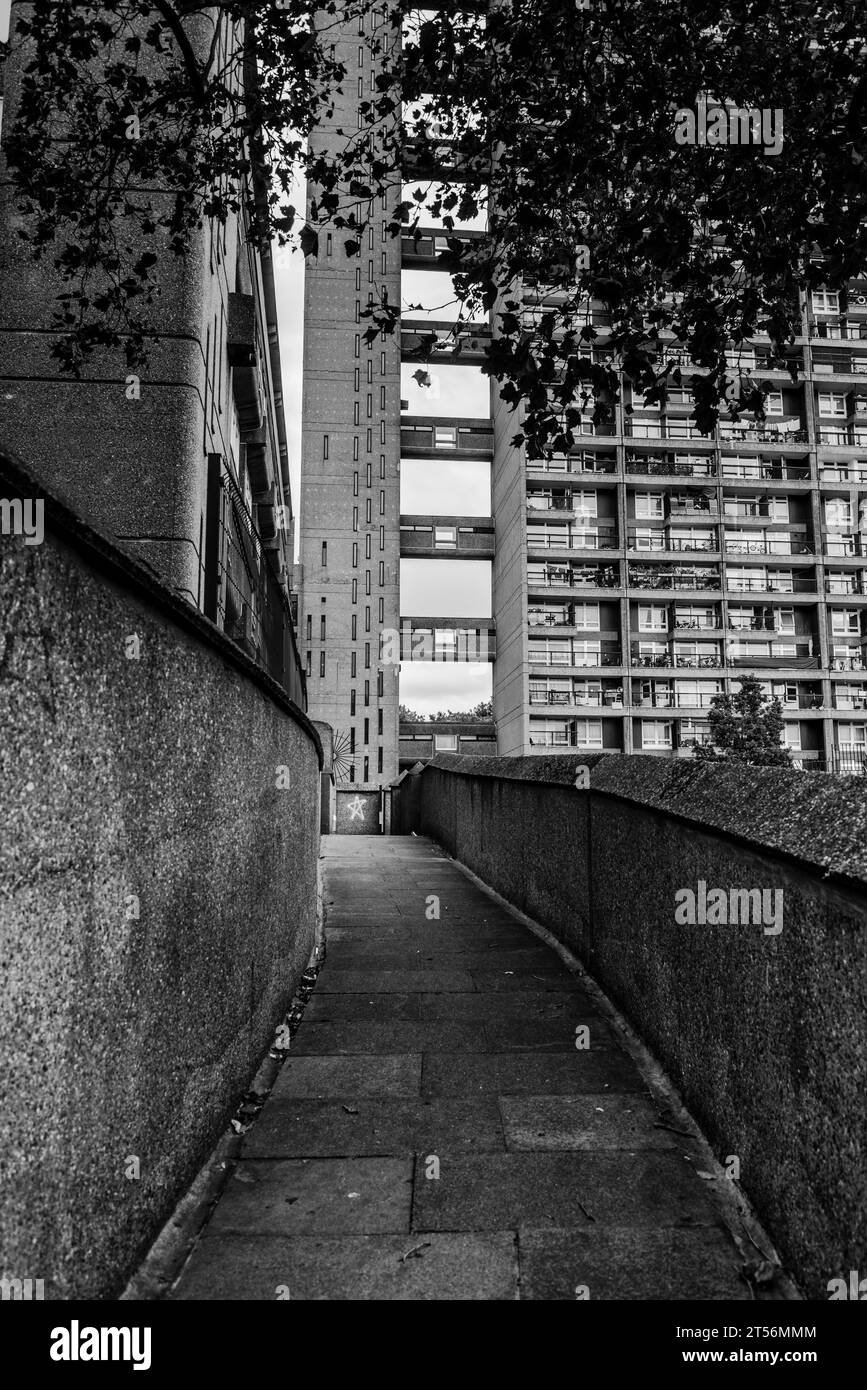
point(653, 467)
point(574, 463)
point(641, 577)
point(661, 541)
point(765, 470)
point(789, 545)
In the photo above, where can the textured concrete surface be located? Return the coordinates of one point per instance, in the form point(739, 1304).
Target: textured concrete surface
point(762, 1033)
point(419, 1145)
point(158, 901)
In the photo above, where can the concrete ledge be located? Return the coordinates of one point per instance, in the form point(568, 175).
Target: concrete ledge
point(819, 820)
point(761, 1030)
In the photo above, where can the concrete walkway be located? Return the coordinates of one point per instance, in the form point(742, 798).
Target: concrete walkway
point(435, 1133)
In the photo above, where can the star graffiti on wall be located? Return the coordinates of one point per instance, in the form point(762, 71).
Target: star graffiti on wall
point(356, 808)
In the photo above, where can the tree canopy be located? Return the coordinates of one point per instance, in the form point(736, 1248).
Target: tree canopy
point(746, 726)
point(567, 120)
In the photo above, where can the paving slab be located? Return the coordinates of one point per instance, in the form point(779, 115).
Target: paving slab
point(266, 1197)
point(348, 1267)
point(533, 1074)
point(301, 1128)
point(519, 1191)
point(333, 981)
point(388, 1036)
point(605, 1120)
point(623, 1264)
point(349, 1076)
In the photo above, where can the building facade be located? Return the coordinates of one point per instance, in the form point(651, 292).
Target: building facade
point(632, 579)
point(184, 462)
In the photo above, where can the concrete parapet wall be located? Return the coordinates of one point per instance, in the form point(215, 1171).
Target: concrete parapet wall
point(157, 896)
point(762, 1030)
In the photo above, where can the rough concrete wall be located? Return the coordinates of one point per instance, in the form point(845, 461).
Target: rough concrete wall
point(764, 1034)
point(158, 900)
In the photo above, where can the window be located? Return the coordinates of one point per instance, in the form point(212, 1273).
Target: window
point(355, 484)
point(445, 537)
point(354, 627)
point(322, 627)
point(325, 446)
point(655, 733)
point(355, 555)
point(309, 627)
point(309, 663)
point(652, 618)
point(774, 403)
point(791, 737)
point(852, 736)
point(445, 437)
point(587, 653)
point(832, 403)
point(445, 743)
point(587, 616)
point(588, 733)
point(584, 503)
point(324, 560)
point(648, 504)
point(321, 664)
point(352, 703)
point(826, 301)
point(844, 621)
point(838, 513)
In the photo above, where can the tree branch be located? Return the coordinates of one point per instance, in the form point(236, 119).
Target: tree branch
point(172, 20)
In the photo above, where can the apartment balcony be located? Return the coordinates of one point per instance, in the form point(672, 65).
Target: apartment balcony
point(848, 472)
point(580, 463)
point(451, 538)
point(698, 508)
point(572, 538)
point(423, 437)
point(573, 576)
point(787, 432)
point(764, 470)
point(570, 656)
point(844, 545)
point(843, 436)
point(804, 660)
point(710, 661)
point(849, 582)
point(662, 429)
point(688, 578)
point(838, 364)
point(838, 329)
point(784, 545)
point(649, 466)
point(601, 699)
point(847, 663)
point(761, 584)
point(660, 541)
